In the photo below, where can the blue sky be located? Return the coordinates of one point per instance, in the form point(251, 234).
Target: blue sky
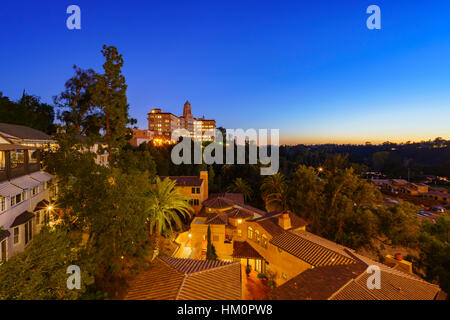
point(310, 68)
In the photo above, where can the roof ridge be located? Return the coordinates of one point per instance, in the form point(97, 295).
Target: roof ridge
point(163, 260)
point(226, 264)
point(315, 243)
point(181, 286)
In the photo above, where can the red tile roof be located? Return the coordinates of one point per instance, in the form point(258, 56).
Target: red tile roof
point(186, 279)
point(242, 249)
point(270, 222)
point(313, 252)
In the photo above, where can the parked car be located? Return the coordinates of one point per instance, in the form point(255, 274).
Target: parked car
point(438, 209)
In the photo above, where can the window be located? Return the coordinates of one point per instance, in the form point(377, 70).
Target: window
point(257, 237)
point(250, 233)
point(2, 160)
point(38, 218)
point(24, 196)
point(34, 191)
point(17, 158)
point(2, 204)
point(3, 250)
point(239, 232)
point(33, 156)
point(28, 232)
point(195, 190)
point(264, 241)
point(215, 238)
point(16, 235)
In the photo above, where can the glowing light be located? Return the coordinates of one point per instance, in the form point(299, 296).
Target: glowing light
point(189, 235)
point(240, 221)
point(50, 207)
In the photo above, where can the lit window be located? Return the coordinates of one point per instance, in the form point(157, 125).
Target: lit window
point(264, 241)
point(2, 160)
point(17, 158)
point(2, 204)
point(250, 233)
point(257, 237)
point(33, 156)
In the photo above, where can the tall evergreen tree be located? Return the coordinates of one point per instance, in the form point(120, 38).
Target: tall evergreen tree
point(210, 250)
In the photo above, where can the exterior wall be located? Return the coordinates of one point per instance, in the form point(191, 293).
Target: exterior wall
point(188, 192)
point(283, 264)
point(7, 218)
point(199, 231)
point(140, 136)
point(202, 196)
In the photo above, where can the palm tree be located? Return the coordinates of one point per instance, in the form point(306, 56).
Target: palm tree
point(241, 186)
point(166, 205)
point(274, 192)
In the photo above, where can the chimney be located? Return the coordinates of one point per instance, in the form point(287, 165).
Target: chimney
point(284, 220)
point(204, 177)
point(397, 262)
point(398, 256)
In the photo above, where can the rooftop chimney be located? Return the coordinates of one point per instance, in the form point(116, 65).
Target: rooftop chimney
point(284, 220)
point(397, 262)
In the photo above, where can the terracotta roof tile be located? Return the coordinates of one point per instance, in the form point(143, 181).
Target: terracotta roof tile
point(311, 252)
point(270, 222)
point(242, 249)
point(191, 265)
point(317, 283)
point(180, 279)
point(217, 218)
point(218, 203)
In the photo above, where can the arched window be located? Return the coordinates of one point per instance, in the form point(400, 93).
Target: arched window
point(257, 237)
point(250, 233)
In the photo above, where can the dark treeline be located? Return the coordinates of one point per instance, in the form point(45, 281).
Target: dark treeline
point(28, 111)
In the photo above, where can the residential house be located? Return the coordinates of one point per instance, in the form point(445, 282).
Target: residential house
point(25, 191)
point(26, 136)
point(196, 188)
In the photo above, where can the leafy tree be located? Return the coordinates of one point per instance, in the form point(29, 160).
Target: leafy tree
point(434, 244)
point(306, 196)
point(241, 186)
point(77, 110)
point(28, 111)
point(136, 160)
point(39, 273)
point(210, 250)
point(165, 206)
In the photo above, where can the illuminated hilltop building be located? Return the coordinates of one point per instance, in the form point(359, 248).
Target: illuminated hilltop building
point(161, 124)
